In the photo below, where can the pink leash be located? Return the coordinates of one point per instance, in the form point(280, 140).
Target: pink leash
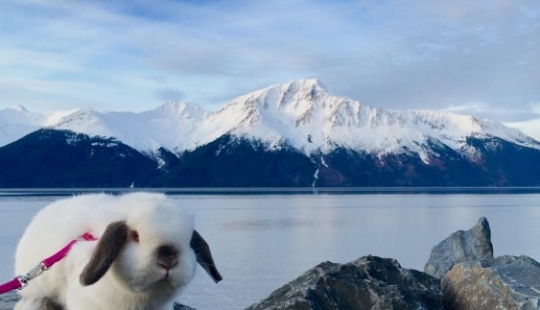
point(21, 281)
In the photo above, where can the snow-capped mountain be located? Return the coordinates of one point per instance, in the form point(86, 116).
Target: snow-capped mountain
point(168, 126)
point(294, 134)
point(301, 114)
point(305, 115)
point(16, 122)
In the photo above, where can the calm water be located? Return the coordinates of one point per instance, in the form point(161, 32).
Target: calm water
point(261, 241)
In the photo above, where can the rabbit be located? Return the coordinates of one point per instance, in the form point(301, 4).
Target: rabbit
point(146, 252)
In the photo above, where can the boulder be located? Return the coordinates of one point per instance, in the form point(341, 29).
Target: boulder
point(506, 282)
point(369, 282)
point(461, 246)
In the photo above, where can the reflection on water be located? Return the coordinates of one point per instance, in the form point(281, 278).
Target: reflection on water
point(25, 192)
point(283, 223)
point(261, 241)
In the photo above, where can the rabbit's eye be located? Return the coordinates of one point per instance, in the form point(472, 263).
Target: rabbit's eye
point(134, 235)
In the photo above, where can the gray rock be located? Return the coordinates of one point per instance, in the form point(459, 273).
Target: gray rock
point(369, 282)
point(506, 282)
point(182, 307)
point(8, 300)
point(461, 246)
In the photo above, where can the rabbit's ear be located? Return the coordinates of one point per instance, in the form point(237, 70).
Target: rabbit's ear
point(204, 257)
point(107, 249)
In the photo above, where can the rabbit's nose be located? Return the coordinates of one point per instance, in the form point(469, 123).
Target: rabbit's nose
point(167, 257)
point(167, 265)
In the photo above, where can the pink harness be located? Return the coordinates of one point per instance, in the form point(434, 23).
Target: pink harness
point(21, 281)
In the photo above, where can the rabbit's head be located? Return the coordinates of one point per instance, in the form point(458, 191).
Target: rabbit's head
point(155, 249)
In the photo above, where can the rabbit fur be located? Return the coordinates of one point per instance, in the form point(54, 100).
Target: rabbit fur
point(146, 253)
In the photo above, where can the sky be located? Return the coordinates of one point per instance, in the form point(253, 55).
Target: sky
point(471, 57)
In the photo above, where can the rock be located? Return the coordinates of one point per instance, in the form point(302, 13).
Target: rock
point(506, 282)
point(8, 301)
point(369, 282)
point(178, 306)
point(461, 246)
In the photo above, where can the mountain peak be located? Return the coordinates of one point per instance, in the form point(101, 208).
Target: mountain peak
point(295, 95)
point(16, 108)
point(184, 109)
point(19, 108)
point(306, 87)
point(307, 84)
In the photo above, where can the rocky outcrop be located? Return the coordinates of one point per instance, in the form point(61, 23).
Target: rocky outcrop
point(506, 282)
point(471, 280)
point(369, 282)
point(461, 246)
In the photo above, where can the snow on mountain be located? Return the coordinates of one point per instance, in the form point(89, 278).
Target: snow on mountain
point(530, 127)
point(167, 126)
point(302, 114)
point(306, 116)
point(174, 123)
point(16, 122)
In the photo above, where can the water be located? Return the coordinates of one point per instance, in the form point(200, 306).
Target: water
point(261, 241)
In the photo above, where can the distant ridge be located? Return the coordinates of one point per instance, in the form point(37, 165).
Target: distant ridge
point(293, 134)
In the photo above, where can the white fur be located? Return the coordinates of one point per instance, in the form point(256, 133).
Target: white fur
point(134, 281)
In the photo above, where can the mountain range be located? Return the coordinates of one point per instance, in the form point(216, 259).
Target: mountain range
point(294, 134)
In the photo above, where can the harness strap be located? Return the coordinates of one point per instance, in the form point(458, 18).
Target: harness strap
point(10, 286)
point(58, 256)
point(21, 281)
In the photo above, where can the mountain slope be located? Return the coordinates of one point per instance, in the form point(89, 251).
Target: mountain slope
point(233, 162)
point(55, 158)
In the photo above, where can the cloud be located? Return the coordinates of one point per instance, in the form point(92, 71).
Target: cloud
point(464, 56)
point(530, 127)
point(434, 61)
point(166, 94)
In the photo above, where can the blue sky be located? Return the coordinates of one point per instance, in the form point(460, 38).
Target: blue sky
point(472, 57)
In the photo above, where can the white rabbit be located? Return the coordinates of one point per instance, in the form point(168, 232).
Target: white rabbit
point(146, 253)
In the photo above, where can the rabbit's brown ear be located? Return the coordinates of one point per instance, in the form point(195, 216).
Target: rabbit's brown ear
point(107, 249)
point(204, 257)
